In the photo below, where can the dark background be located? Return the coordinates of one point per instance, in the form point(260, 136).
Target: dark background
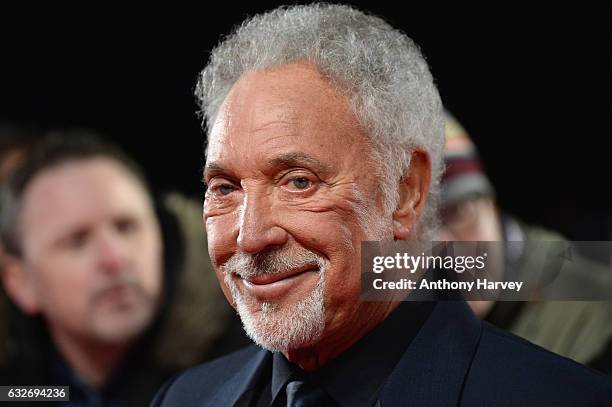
point(530, 87)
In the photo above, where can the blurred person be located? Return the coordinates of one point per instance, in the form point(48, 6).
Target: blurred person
point(575, 329)
point(325, 129)
point(112, 292)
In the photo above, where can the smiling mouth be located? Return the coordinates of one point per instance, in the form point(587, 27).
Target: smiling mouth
point(272, 278)
point(274, 286)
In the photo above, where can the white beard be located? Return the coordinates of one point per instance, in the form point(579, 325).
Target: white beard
point(273, 327)
point(295, 326)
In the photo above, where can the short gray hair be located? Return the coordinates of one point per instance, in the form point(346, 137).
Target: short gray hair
point(379, 68)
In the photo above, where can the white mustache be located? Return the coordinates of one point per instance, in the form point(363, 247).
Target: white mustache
point(273, 261)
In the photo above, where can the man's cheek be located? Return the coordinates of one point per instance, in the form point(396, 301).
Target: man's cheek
point(221, 238)
point(224, 287)
point(214, 207)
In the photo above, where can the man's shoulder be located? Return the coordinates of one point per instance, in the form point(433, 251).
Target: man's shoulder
point(202, 382)
point(517, 370)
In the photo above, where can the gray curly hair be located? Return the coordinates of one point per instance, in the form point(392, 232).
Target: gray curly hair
point(382, 72)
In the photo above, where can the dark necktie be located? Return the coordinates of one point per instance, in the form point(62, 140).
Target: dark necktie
point(305, 394)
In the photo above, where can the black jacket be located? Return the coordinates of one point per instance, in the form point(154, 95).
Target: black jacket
point(455, 360)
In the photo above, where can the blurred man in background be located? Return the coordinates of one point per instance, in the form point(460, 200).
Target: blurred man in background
point(575, 329)
point(101, 278)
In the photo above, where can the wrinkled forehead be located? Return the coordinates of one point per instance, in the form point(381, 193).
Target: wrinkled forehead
point(276, 108)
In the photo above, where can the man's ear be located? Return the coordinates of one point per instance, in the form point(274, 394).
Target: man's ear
point(18, 285)
point(413, 192)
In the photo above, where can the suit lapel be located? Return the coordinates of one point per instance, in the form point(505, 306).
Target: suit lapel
point(430, 373)
point(239, 389)
point(433, 369)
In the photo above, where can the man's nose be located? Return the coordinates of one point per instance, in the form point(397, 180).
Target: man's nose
point(111, 251)
point(258, 226)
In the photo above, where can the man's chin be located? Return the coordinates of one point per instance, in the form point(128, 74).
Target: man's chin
point(281, 334)
point(280, 327)
point(122, 328)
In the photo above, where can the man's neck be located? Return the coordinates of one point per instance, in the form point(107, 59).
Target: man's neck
point(93, 361)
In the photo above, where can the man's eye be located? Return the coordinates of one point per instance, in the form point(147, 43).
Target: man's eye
point(125, 225)
point(225, 189)
point(301, 183)
point(76, 240)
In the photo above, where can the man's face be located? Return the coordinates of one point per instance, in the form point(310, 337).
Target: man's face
point(91, 250)
point(474, 219)
point(291, 194)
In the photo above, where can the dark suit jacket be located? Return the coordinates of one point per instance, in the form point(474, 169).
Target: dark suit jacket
point(455, 360)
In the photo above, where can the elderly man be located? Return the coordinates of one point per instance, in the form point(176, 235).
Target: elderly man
point(325, 130)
